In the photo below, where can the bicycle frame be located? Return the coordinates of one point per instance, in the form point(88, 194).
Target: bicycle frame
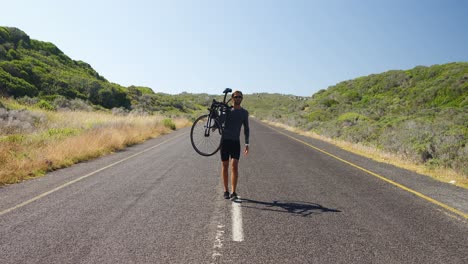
point(217, 111)
point(208, 127)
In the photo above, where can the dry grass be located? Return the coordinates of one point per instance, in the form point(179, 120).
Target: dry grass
point(444, 175)
point(182, 122)
point(70, 137)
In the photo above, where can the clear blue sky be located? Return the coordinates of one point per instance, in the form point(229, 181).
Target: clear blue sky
point(290, 47)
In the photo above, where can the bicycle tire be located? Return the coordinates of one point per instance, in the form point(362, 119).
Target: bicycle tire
point(206, 143)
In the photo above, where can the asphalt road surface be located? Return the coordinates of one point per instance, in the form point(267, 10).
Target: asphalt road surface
point(301, 201)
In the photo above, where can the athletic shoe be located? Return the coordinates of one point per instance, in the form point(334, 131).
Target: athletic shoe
point(226, 195)
point(233, 196)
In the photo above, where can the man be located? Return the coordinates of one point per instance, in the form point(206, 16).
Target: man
point(230, 146)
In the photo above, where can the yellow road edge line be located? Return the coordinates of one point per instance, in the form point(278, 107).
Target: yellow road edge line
point(83, 177)
point(427, 198)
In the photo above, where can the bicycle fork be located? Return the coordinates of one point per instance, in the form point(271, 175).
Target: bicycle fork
point(208, 126)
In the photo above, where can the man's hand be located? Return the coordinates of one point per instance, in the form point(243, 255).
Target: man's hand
point(246, 150)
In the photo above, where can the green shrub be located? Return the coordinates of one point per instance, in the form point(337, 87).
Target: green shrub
point(45, 105)
point(169, 123)
point(318, 115)
point(61, 132)
point(351, 118)
point(16, 138)
point(327, 102)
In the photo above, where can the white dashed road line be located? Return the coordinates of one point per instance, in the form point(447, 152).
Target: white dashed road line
point(218, 244)
point(236, 214)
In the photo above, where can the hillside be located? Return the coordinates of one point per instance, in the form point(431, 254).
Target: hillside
point(420, 114)
point(35, 69)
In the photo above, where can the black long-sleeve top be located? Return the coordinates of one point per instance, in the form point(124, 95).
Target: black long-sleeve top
point(234, 121)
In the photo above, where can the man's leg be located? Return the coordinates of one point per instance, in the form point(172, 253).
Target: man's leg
point(224, 174)
point(234, 174)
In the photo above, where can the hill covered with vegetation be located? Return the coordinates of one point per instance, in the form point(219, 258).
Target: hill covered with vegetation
point(420, 113)
point(42, 74)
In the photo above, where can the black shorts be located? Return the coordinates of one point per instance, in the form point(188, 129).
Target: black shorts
point(230, 148)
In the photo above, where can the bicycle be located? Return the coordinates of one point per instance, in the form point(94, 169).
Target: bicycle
point(207, 130)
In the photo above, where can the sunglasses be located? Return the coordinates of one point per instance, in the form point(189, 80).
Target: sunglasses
point(237, 97)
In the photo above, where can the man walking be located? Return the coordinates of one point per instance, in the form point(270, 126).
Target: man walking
point(230, 145)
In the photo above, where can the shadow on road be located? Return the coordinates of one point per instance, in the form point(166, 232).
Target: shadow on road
point(297, 208)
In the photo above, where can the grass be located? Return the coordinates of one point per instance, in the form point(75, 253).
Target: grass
point(441, 174)
point(66, 138)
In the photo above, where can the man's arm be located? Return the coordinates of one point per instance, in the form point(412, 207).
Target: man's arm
point(246, 133)
point(246, 127)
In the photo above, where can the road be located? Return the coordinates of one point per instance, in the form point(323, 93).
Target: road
point(301, 201)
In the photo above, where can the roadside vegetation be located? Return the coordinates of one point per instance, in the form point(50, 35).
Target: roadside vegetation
point(34, 141)
point(417, 116)
point(443, 174)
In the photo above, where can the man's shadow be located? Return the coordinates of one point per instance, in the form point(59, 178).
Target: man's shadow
point(297, 208)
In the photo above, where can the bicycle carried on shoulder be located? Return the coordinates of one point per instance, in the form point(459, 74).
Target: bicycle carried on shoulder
point(207, 130)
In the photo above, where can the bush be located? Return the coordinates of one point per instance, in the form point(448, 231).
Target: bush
point(169, 123)
point(327, 102)
point(19, 121)
point(45, 105)
point(318, 115)
point(80, 105)
point(61, 132)
point(62, 103)
point(351, 117)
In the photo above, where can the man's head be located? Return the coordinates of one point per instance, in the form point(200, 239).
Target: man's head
point(237, 97)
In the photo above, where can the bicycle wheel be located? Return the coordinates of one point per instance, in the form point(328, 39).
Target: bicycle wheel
point(206, 135)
